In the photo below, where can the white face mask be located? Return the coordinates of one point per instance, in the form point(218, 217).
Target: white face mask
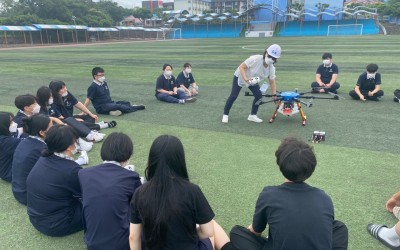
point(188, 70)
point(168, 72)
point(269, 61)
point(65, 94)
point(102, 79)
point(76, 149)
point(13, 127)
point(51, 101)
point(371, 76)
point(326, 62)
point(36, 110)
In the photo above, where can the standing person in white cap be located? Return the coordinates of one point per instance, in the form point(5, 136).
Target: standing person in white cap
point(250, 73)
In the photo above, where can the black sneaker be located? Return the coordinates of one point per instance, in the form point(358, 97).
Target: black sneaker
point(112, 124)
point(396, 99)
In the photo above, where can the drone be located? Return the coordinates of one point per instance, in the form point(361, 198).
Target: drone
point(289, 103)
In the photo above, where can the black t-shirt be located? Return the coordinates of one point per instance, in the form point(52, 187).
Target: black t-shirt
point(107, 190)
point(366, 84)
point(166, 84)
point(299, 217)
point(327, 72)
point(99, 94)
point(66, 110)
point(186, 81)
point(195, 210)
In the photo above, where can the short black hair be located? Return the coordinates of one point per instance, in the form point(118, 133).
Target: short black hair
point(22, 101)
point(5, 122)
point(166, 65)
point(59, 138)
point(117, 147)
point(372, 68)
point(186, 65)
point(295, 159)
point(97, 70)
point(327, 55)
point(34, 124)
point(43, 95)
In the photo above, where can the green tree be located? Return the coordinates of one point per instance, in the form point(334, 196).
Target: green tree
point(142, 14)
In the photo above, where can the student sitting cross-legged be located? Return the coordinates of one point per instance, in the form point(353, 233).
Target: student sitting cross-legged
point(299, 216)
point(167, 88)
point(106, 192)
point(99, 94)
point(8, 144)
point(53, 191)
point(168, 210)
point(28, 152)
point(368, 85)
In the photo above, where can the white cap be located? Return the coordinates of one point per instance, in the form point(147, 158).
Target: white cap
point(274, 50)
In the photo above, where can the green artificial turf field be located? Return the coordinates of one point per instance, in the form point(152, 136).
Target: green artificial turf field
point(357, 164)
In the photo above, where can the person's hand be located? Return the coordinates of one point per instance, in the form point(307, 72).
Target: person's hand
point(79, 119)
point(194, 92)
point(322, 84)
point(93, 116)
point(370, 93)
point(391, 203)
point(170, 92)
point(188, 93)
point(175, 92)
point(328, 85)
point(362, 98)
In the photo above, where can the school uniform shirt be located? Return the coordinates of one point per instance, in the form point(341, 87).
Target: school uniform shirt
point(368, 84)
point(66, 110)
point(195, 210)
point(255, 67)
point(99, 94)
point(185, 79)
point(53, 194)
point(26, 155)
point(107, 190)
point(18, 118)
point(166, 84)
point(299, 216)
point(49, 111)
point(326, 72)
point(8, 144)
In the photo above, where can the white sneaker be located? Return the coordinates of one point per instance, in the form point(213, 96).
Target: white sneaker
point(83, 159)
point(130, 167)
point(254, 118)
point(115, 113)
point(85, 145)
point(96, 137)
point(225, 118)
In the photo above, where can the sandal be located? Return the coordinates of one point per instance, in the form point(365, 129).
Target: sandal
point(374, 229)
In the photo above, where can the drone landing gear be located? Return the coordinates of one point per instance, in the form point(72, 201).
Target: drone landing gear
point(303, 116)
point(275, 113)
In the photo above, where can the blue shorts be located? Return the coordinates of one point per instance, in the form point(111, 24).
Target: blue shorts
point(205, 245)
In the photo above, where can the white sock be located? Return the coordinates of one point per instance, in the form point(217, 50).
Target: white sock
point(390, 235)
point(80, 161)
point(103, 125)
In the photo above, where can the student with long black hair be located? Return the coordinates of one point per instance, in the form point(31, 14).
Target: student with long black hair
point(53, 191)
point(169, 210)
point(28, 152)
point(8, 143)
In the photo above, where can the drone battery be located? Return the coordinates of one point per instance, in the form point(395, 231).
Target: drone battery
point(318, 136)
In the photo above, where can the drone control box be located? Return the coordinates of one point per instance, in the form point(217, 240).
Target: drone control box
point(318, 136)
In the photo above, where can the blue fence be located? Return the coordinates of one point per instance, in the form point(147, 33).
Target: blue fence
point(296, 28)
point(226, 30)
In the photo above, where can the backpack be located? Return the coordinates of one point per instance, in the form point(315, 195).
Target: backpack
point(396, 95)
